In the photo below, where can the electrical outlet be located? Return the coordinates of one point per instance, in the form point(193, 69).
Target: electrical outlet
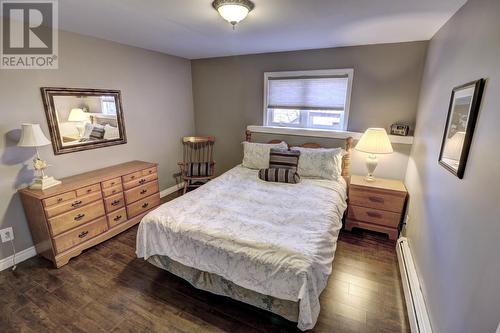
point(7, 234)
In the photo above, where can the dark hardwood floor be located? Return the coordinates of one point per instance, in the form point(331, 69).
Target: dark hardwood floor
point(108, 289)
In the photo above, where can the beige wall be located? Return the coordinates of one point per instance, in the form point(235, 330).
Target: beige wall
point(454, 225)
point(228, 94)
point(157, 103)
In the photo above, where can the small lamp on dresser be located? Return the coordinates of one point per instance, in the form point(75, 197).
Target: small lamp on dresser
point(32, 136)
point(374, 141)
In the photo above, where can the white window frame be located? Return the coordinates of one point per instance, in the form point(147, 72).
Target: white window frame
point(322, 72)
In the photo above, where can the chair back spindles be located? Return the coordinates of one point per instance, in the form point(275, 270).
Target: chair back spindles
point(198, 164)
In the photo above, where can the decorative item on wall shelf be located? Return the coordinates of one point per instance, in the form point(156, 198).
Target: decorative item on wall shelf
point(374, 141)
point(400, 129)
point(32, 136)
point(460, 123)
point(81, 119)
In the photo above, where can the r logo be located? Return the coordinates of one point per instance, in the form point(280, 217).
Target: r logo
point(27, 27)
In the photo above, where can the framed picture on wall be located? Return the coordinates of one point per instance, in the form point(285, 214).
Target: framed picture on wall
point(460, 123)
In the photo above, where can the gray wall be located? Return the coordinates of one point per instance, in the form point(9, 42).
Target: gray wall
point(228, 94)
point(455, 224)
point(157, 103)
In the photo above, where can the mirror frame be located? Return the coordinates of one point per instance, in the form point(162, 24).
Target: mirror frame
point(48, 94)
point(469, 131)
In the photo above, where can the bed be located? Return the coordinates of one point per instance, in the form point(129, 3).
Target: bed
point(270, 245)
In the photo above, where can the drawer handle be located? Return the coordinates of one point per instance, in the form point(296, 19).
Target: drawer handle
point(376, 199)
point(89, 190)
point(59, 199)
point(113, 192)
point(150, 171)
point(76, 203)
point(374, 214)
point(79, 217)
point(144, 191)
point(83, 234)
point(145, 205)
point(118, 217)
point(132, 177)
point(115, 202)
point(112, 183)
point(142, 181)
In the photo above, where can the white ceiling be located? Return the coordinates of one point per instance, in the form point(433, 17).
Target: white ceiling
point(193, 29)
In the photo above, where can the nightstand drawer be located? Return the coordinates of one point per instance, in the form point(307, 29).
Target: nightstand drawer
point(379, 217)
point(376, 199)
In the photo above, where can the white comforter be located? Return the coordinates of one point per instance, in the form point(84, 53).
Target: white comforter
point(272, 238)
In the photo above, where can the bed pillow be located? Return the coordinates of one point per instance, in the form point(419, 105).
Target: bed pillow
point(323, 163)
point(284, 159)
point(279, 175)
point(111, 132)
point(256, 155)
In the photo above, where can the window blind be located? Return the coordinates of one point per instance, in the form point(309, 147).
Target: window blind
point(307, 92)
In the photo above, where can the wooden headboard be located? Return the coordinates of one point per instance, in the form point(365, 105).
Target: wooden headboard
point(346, 159)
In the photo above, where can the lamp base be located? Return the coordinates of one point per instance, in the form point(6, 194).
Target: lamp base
point(371, 164)
point(44, 183)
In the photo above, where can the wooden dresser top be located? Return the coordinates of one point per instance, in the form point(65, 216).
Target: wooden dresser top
point(89, 178)
point(379, 183)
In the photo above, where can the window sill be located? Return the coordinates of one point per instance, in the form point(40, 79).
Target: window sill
point(405, 140)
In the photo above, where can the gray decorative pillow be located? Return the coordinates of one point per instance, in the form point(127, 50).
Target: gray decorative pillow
point(279, 175)
point(256, 155)
point(284, 159)
point(323, 163)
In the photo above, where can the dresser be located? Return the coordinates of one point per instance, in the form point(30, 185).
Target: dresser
point(89, 208)
point(377, 206)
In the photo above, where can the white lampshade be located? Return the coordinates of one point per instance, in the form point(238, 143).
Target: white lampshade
point(77, 115)
point(32, 136)
point(453, 146)
point(375, 141)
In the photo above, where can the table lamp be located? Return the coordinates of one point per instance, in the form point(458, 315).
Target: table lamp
point(79, 116)
point(32, 136)
point(374, 141)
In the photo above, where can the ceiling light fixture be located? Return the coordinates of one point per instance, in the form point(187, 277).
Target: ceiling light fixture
point(233, 11)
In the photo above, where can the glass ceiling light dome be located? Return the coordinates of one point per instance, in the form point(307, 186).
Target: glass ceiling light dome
point(233, 11)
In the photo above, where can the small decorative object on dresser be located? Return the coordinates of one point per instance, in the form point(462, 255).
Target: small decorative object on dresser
point(377, 206)
point(32, 136)
point(400, 129)
point(89, 208)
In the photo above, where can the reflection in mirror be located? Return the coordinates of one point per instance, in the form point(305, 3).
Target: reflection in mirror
point(462, 115)
point(82, 119)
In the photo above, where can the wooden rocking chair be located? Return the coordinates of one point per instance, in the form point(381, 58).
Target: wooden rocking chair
point(198, 166)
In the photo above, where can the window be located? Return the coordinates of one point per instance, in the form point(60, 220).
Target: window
point(108, 105)
point(308, 99)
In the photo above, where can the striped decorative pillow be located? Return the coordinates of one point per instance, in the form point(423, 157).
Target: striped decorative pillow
point(97, 133)
point(279, 175)
point(284, 159)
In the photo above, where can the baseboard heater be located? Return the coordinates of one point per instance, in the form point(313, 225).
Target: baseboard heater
point(415, 304)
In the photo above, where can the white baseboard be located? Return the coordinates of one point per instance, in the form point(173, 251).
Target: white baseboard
point(415, 303)
point(171, 190)
point(20, 257)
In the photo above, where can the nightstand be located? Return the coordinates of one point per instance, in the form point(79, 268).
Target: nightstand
point(377, 206)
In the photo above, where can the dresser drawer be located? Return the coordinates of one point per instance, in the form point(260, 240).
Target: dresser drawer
point(79, 235)
point(88, 189)
point(117, 217)
point(132, 176)
point(111, 182)
point(76, 217)
point(114, 202)
point(141, 180)
point(140, 192)
point(376, 199)
point(59, 198)
point(143, 205)
point(112, 190)
point(72, 204)
point(380, 217)
point(149, 171)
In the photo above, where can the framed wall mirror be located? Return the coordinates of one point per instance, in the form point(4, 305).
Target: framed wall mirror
point(81, 119)
point(460, 123)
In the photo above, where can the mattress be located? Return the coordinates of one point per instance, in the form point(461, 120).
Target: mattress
point(272, 238)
